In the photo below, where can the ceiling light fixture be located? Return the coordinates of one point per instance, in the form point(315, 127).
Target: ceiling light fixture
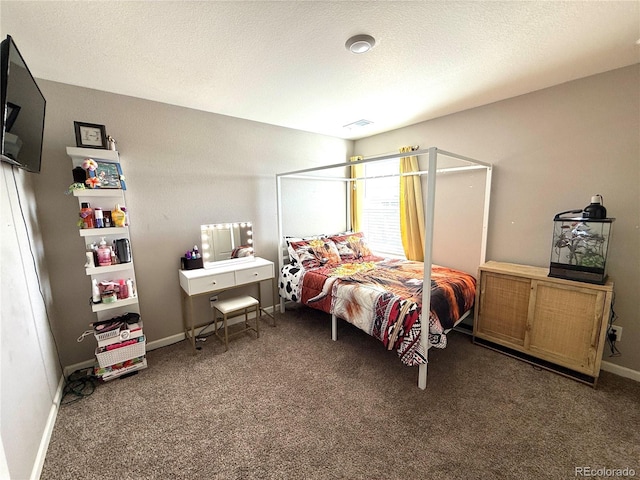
point(360, 43)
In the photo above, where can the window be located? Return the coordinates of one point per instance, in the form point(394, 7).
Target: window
point(381, 209)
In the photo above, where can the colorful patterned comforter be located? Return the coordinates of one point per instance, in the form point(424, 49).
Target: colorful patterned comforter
point(383, 298)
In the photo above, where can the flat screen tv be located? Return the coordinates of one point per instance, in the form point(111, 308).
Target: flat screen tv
point(23, 107)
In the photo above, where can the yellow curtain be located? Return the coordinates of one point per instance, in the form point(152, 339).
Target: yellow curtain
point(411, 208)
point(357, 194)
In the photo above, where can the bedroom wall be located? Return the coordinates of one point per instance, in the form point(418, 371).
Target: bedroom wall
point(552, 149)
point(183, 168)
point(29, 368)
point(312, 207)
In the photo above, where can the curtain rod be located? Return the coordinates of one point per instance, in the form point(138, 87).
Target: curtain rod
point(412, 147)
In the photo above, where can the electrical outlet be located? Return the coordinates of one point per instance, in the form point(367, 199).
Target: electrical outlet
point(617, 330)
point(213, 300)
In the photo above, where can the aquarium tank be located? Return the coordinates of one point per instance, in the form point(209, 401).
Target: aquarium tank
point(580, 247)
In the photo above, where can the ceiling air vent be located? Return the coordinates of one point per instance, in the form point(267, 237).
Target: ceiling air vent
point(358, 124)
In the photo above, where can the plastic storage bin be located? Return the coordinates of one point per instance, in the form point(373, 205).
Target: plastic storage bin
point(121, 354)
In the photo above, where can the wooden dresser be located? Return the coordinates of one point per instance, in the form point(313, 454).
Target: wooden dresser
point(555, 323)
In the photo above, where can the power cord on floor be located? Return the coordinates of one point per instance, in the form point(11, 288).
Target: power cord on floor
point(201, 336)
point(78, 385)
point(611, 335)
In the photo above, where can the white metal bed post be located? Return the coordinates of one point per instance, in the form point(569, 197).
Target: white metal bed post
point(349, 224)
point(280, 238)
point(485, 215)
point(429, 210)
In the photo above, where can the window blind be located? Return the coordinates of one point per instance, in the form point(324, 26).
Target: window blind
point(381, 209)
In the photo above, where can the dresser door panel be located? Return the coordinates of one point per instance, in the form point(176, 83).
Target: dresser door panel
point(504, 303)
point(567, 321)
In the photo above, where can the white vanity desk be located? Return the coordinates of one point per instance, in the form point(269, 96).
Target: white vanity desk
point(208, 281)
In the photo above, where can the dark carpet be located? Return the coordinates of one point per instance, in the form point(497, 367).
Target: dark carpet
point(293, 404)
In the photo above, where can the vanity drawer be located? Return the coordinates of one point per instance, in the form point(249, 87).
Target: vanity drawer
point(249, 275)
point(211, 283)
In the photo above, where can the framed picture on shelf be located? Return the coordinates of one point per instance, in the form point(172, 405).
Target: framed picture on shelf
point(108, 175)
point(90, 135)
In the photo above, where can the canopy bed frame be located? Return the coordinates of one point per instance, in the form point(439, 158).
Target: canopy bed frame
point(451, 163)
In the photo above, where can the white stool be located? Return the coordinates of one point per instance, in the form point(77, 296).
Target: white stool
point(234, 305)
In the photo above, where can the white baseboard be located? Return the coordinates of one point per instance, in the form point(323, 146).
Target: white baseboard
point(622, 371)
point(163, 342)
point(38, 464)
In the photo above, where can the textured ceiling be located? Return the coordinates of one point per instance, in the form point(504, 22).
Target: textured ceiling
point(285, 63)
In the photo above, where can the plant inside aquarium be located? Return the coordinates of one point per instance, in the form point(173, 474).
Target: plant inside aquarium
point(585, 247)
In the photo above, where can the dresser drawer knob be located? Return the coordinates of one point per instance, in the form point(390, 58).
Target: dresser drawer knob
point(255, 274)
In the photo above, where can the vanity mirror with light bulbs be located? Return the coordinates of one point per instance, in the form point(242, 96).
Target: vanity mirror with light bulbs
point(229, 263)
point(224, 243)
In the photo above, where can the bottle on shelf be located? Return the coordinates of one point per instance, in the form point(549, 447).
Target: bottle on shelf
point(90, 263)
point(126, 215)
point(123, 291)
point(118, 217)
point(99, 218)
point(114, 259)
point(93, 248)
point(130, 288)
point(86, 213)
point(95, 291)
point(104, 254)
